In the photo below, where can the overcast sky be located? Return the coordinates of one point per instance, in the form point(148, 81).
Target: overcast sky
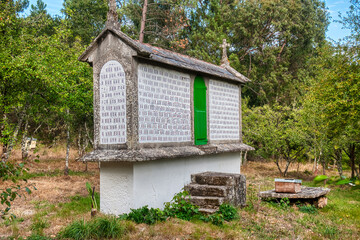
point(335, 30)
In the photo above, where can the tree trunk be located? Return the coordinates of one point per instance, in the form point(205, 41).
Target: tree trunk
point(338, 158)
point(7, 148)
point(88, 135)
point(143, 19)
point(66, 170)
point(24, 145)
point(287, 167)
point(278, 166)
point(352, 159)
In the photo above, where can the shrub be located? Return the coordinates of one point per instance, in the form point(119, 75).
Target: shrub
point(181, 207)
point(145, 215)
point(228, 212)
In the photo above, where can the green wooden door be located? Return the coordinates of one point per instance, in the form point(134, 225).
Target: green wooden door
point(200, 122)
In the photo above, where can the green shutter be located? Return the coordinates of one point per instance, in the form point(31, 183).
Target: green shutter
point(200, 122)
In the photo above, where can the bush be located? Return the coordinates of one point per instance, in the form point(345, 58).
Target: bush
point(181, 207)
point(145, 215)
point(228, 212)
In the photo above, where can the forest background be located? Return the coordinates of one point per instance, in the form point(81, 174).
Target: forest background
point(302, 103)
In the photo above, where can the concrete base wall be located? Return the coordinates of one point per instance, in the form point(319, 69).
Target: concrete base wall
point(116, 187)
point(154, 182)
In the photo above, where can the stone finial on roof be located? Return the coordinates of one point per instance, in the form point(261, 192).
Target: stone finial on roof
point(112, 16)
point(224, 59)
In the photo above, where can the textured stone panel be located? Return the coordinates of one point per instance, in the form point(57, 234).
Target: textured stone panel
point(224, 111)
point(112, 104)
point(164, 105)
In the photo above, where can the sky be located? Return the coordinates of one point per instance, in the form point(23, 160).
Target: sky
point(335, 31)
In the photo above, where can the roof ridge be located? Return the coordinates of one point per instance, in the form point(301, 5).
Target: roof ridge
point(184, 55)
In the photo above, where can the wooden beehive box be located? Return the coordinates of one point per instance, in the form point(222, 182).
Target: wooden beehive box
point(287, 185)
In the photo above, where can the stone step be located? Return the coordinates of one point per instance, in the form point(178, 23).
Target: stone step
point(207, 202)
point(207, 210)
point(215, 178)
point(207, 190)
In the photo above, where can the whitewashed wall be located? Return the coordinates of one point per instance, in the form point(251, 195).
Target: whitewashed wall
point(154, 182)
point(224, 111)
point(112, 104)
point(164, 105)
point(116, 187)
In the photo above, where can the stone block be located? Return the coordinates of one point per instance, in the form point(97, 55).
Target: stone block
point(210, 189)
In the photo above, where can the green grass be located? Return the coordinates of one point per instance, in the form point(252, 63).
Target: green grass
point(76, 206)
point(98, 228)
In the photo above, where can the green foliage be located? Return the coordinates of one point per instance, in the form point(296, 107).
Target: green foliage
point(337, 181)
point(77, 205)
point(145, 215)
point(11, 171)
point(216, 218)
point(98, 228)
point(276, 132)
point(36, 237)
point(228, 212)
point(308, 209)
point(38, 226)
point(284, 203)
point(181, 207)
point(86, 18)
point(77, 230)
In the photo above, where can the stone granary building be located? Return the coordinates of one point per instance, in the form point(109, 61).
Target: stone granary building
point(159, 117)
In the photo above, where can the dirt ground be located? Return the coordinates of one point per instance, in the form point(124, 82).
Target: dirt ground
point(59, 188)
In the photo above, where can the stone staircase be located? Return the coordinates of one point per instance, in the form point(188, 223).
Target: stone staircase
point(209, 190)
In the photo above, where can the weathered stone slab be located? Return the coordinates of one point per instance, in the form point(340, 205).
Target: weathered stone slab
point(306, 193)
point(212, 178)
point(149, 154)
point(207, 190)
point(207, 202)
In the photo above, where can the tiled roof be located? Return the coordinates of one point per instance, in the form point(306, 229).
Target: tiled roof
point(168, 57)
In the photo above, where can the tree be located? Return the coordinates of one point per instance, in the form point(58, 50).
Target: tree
point(271, 42)
point(352, 21)
point(86, 18)
point(335, 89)
point(276, 133)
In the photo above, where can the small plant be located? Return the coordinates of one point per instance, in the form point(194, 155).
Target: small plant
point(228, 212)
point(39, 225)
point(285, 202)
point(308, 209)
point(181, 207)
point(144, 215)
point(91, 192)
point(216, 219)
